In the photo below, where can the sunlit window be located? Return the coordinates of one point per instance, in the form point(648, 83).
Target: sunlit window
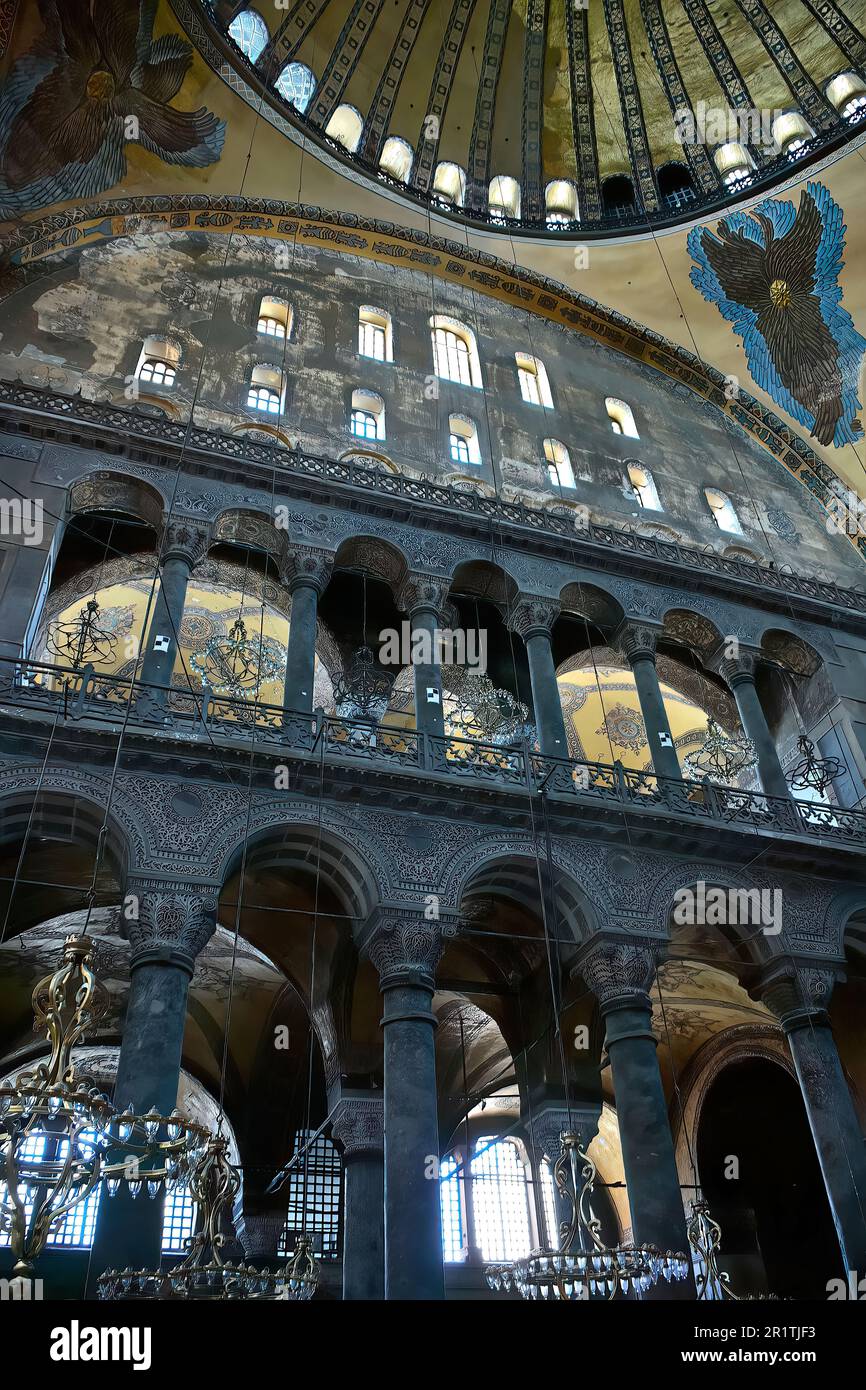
point(397, 158)
point(463, 435)
point(346, 126)
point(451, 1208)
point(265, 390)
point(723, 510)
point(375, 334)
point(534, 386)
point(791, 131)
point(296, 83)
point(314, 1188)
point(559, 467)
point(275, 318)
point(548, 1202)
point(503, 198)
point(642, 487)
point(500, 1197)
point(178, 1221)
point(250, 33)
point(847, 93)
point(734, 163)
point(560, 203)
point(368, 415)
point(455, 355)
point(621, 417)
point(449, 184)
point(158, 362)
point(76, 1228)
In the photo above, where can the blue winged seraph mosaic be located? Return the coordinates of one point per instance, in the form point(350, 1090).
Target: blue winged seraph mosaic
point(93, 80)
point(774, 274)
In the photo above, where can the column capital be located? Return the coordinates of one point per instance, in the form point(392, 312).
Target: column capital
point(303, 565)
point(735, 670)
point(423, 593)
point(531, 614)
point(552, 1120)
point(796, 991)
point(404, 946)
point(357, 1125)
point(168, 922)
point(185, 540)
point(637, 641)
point(619, 972)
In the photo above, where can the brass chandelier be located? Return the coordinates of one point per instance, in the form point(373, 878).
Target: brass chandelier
point(81, 640)
point(721, 757)
point(584, 1267)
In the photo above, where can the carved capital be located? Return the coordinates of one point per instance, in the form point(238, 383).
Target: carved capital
point(168, 922)
point(304, 565)
point(637, 641)
point(797, 992)
point(618, 972)
point(423, 593)
point(357, 1125)
point(734, 670)
point(404, 947)
point(531, 614)
point(185, 540)
point(549, 1122)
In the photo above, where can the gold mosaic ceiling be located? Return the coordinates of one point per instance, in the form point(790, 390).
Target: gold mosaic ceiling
point(536, 90)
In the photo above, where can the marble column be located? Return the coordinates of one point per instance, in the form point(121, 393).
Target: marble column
point(356, 1125)
point(798, 993)
point(405, 950)
point(184, 544)
point(739, 673)
point(620, 972)
point(306, 575)
point(423, 598)
point(167, 925)
point(637, 642)
point(548, 1123)
point(532, 618)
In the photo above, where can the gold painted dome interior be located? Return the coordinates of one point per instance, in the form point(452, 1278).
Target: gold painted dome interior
point(549, 116)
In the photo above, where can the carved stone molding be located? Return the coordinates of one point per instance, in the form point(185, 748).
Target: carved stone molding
point(109, 492)
point(550, 1121)
point(404, 947)
point(185, 540)
point(305, 566)
point(532, 614)
point(637, 641)
point(168, 922)
point(797, 992)
point(619, 972)
point(250, 528)
point(423, 593)
point(357, 1125)
point(735, 670)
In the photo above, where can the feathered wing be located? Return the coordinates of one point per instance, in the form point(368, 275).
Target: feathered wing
point(850, 344)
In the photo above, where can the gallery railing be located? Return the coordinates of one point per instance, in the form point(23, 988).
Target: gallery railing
point(376, 479)
point(209, 718)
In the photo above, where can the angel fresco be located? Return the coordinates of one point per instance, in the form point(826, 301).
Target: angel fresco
point(94, 80)
point(774, 274)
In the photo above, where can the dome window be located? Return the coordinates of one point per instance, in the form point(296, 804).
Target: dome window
point(250, 33)
point(734, 163)
point(675, 185)
point(346, 126)
point(397, 158)
point(266, 388)
point(449, 185)
point(275, 318)
point(463, 438)
point(455, 354)
point(559, 467)
point(374, 334)
point(847, 93)
point(621, 417)
point(368, 415)
point(641, 485)
point(723, 511)
point(296, 83)
point(534, 386)
point(503, 199)
point(617, 196)
point(158, 362)
point(791, 131)
point(560, 203)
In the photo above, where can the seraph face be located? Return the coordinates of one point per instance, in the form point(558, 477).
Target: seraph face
point(774, 274)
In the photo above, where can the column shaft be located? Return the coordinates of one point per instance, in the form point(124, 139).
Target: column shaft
point(549, 722)
point(429, 716)
point(755, 725)
point(301, 659)
point(664, 755)
point(363, 1226)
point(157, 666)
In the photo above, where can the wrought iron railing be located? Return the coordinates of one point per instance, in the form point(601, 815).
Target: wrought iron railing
point(589, 542)
point(89, 694)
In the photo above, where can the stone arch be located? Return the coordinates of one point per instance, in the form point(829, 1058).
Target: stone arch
point(592, 601)
point(249, 528)
point(78, 804)
point(380, 559)
point(106, 491)
point(691, 629)
point(483, 579)
point(786, 648)
point(749, 945)
point(512, 867)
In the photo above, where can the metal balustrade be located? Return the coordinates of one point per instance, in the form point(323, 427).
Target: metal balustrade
point(88, 694)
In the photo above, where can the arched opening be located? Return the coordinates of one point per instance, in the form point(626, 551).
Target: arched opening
point(617, 196)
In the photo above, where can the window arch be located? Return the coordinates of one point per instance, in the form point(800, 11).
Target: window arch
point(346, 126)
point(296, 83)
point(449, 184)
point(560, 203)
point(463, 439)
point(266, 388)
point(158, 362)
point(275, 317)
point(532, 375)
point(617, 195)
point(641, 485)
point(847, 93)
point(397, 158)
point(723, 511)
point(250, 33)
point(455, 354)
point(375, 336)
point(621, 417)
point(791, 131)
point(503, 198)
point(675, 184)
point(734, 163)
point(368, 415)
point(559, 466)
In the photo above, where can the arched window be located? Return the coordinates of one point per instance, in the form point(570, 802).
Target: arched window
point(503, 198)
point(791, 131)
point(397, 158)
point(734, 163)
point(266, 389)
point(455, 355)
point(314, 1196)
point(346, 126)
point(500, 1198)
point(449, 185)
point(534, 386)
point(296, 83)
point(76, 1229)
point(158, 362)
point(275, 317)
point(249, 32)
point(675, 185)
point(621, 418)
point(640, 483)
point(368, 415)
point(463, 435)
point(617, 196)
point(847, 93)
point(374, 334)
point(723, 510)
point(451, 1207)
point(558, 463)
point(560, 203)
